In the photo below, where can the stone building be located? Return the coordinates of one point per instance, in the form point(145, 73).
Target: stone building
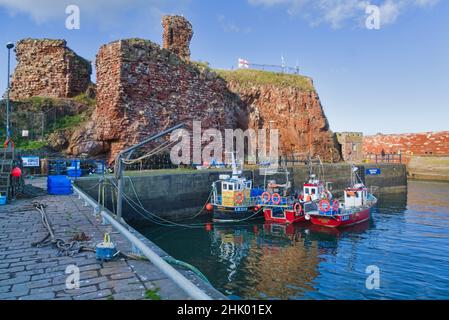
point(178, 33)
point(48, 68)
point(351, 145)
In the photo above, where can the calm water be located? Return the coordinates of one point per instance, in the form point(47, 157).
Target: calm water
point(407, 239)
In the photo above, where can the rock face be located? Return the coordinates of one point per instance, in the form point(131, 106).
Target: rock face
point(143, 89)
point(409, 144)
point(296, 112)
point(178, 33)
point(48, 68)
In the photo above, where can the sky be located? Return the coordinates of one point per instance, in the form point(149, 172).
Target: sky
point(394, 79)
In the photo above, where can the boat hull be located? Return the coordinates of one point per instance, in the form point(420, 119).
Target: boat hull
point(233, 214)
point(282, 216)
point(343, 220)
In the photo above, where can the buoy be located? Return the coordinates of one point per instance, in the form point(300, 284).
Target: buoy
point(209, 207)
point(208, 226)
point(256, 208)
point(16, 172)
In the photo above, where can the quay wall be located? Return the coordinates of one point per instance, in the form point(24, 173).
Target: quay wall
point(181, 194)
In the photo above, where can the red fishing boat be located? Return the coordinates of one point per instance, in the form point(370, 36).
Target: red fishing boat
point(357, 207)
point(292, 208)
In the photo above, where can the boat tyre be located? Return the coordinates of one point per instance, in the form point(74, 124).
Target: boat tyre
point(276, 198)
point(239, 197)
point(265, 197)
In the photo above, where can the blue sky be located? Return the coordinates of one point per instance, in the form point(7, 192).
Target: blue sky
point(391, 80)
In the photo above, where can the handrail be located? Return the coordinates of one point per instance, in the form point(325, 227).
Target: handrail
point(186, 285)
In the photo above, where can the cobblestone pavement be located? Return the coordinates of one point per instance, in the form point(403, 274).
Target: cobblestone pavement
point(27, 272)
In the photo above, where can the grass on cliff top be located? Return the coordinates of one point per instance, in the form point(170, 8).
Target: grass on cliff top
point(250, 77)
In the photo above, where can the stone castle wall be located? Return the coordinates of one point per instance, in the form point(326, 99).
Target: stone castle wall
point(143, 89)
point(178, 33)
point(351, 145)
point(48, 68)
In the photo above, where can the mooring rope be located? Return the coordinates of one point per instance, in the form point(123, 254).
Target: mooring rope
point(65, 248)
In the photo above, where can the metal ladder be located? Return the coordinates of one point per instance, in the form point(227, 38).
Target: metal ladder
point(6, 164)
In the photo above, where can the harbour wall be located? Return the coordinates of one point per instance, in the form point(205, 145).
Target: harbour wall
point(180, 194)
point(429, 167)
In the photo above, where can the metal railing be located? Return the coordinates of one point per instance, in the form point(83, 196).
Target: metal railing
point(383, 158)
point(186, 285)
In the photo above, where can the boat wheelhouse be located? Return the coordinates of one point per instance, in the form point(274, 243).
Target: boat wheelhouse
point(233, 197)
point(356, 208)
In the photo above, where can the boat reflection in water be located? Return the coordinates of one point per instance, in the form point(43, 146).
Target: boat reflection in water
point(262, 260)
point(281, 263)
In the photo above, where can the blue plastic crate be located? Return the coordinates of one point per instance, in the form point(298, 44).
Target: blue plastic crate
point(58, 181)
point(60, 190)
point(74, 173)
point(3, 200)
point(59, 185)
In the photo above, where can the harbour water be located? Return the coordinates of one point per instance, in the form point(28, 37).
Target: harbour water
point(406, 241)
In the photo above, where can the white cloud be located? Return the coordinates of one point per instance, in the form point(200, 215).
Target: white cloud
point(336, 12)
point(231, 26)
point(103, 11)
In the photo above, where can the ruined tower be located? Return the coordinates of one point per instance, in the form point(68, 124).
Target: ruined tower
point(177, 35)
point(48, 68)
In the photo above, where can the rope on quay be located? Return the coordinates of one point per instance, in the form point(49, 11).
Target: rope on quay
point(171, 261)
point(65, 248)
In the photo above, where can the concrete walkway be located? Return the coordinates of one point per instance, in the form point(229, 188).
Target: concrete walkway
point(27, 272)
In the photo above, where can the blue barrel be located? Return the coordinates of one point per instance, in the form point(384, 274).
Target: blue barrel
point(59, 185)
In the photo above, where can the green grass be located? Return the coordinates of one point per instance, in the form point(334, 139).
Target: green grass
point(69, 122)
point(84, 99)
point(30, 144)
point(251, 77)
point(152, 294)
point(39, 103)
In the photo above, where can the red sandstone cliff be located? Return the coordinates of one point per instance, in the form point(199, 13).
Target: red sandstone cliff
point(291, 104)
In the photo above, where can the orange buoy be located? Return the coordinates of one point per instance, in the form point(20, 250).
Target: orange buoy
point(209, 207)
point(16, 172)
point(208, 226)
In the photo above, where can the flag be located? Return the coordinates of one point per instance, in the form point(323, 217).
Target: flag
point(243, 63)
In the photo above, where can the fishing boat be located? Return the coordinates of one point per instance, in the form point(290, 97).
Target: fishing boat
point(282, 206)
point(232, 198)
point(356, 208)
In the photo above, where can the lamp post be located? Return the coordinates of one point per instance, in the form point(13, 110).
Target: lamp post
point(9, 46)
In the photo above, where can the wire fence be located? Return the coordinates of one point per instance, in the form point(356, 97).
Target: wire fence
point(272, 68)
